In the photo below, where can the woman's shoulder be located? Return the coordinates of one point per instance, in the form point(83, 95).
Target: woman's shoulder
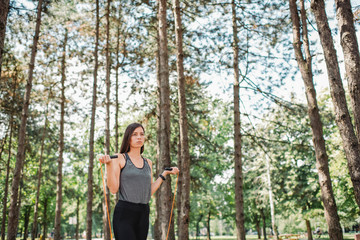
point(148, 161)
point(121, 159)
point(121, 156)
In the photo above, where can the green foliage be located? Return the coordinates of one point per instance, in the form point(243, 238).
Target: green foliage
point(280, 130)
point(343, 191)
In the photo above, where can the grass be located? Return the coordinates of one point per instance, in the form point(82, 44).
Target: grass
point(347, 236)
point(215, 237)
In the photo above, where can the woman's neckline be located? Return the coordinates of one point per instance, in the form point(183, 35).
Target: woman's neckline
point(134, 163)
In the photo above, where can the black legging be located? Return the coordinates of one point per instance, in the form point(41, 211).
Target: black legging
point(131, 221)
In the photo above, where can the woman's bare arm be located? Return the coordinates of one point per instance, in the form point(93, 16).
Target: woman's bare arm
point(113, 167)
point(155, 185)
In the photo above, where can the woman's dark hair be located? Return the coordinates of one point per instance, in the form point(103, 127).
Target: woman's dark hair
point(125, 145)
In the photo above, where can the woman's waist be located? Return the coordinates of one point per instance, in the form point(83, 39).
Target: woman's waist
point(132, 205)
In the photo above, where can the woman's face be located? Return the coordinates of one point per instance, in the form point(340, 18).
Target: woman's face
point(137, 138)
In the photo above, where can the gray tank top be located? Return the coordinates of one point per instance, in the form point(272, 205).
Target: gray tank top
point(135, 183)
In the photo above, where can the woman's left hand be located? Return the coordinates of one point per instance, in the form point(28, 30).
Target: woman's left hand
point(174, 170)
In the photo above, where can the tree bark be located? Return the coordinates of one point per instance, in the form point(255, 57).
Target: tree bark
point(34, 229)
point(257, 224)
point(184, 203)
point(19, 199)
point(77, 218)
point(90, 180)
point(117, 83)
point(208, 237)
point(57, 225)
point(20, 156)
point(26, 222)
point(239, 198)
point(3, 142)
point(163, 195)
point(350, 47)
point(308, 228)
point(118, 64)
point(263, 223)
point(4, 10)
point(106, 226)
point(6, 187)
point(198, 225)
point(271, 199)
point(157, 229)
point(322, 165)
point(45, 217)
point(6, 190)
point(179, 189)
point(342, 115)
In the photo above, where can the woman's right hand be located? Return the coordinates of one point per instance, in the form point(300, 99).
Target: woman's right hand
point(105, 159)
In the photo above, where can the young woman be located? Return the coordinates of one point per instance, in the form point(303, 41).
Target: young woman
point(131, 175)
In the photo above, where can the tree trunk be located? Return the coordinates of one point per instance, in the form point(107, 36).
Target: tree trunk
point(117, 83)
point(3, 142)
point(179, 189)
point(308, 228)
point(20, 197)
point(184, 203)
point(57, 226)
point(4, 10)
point(6, 187)
point(90, 180)
point(208, 237)
point(6, 190)
point(271, 199)
point(45, 216)
point(198, 225)
point(77, 218)
point(342, 116)
point(264, 222)
point(106, 226)
point(118, 34)
point(157, 229)
point(350, 49)
point(20, 156)
point(26, 222)
point(118, 64)
point(34, 229)
point(257, 226)
point(163, 195)
point(322, 164)
point(239, 199)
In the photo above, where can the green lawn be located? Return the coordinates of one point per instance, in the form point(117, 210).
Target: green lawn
point(217, 237)
point(346, 236)
point(323, 237)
